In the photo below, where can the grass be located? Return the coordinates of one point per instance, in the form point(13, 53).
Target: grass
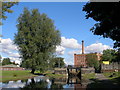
point(108, 74)
point(15, 75)
point(24, 74)
point(52, 75)
point(55, 75)
point(88, 76)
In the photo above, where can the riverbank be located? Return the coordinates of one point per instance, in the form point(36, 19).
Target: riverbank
point(88, 76)
point(50, 75)
point(15, 75)
point(25, 74)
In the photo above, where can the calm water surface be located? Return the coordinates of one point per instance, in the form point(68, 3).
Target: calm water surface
point(44, 82)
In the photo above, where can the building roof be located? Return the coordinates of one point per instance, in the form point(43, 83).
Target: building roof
point(10, 65)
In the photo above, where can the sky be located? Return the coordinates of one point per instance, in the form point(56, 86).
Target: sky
point(68, 18)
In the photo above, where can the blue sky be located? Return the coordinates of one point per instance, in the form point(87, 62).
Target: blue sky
point(68, 18)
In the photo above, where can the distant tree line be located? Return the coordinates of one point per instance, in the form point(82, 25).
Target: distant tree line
point(6, 61)
point(57, 62)
point(110, 55)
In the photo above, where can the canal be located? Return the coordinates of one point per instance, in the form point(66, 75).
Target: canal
point(44, 82)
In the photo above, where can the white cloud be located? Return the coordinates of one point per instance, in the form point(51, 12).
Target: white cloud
point(70, 43)
point(7, 44)
point(60, 50)
point(17, 60)
point(96, 47)
point(10, 49)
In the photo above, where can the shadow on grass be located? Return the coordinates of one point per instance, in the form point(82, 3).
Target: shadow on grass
point(39, 74)
point(111, 84)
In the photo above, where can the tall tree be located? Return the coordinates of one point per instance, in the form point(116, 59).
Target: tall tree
point(92, 60)
point(6, 5)
point(108, 21)
point(109, 55)
point(37, 39)
point(6, 61)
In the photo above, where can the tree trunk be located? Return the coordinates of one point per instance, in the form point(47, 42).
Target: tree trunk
point(32, 80)
point(33, 70)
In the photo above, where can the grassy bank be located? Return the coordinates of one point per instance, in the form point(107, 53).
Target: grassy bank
point(25, 74)
point(88, 76)
point(51, 75)
point(111, 75)
point(55, 75)
point(15, 75)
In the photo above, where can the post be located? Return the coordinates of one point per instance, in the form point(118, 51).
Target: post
point(59, 62)
point(82, 47)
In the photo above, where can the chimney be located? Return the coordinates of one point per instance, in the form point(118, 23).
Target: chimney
point(82, 47)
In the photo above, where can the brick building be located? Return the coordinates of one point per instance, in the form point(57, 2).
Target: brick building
point(80, 59)
point(11, 67)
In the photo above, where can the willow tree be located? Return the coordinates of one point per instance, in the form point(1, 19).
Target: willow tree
point(37, 39)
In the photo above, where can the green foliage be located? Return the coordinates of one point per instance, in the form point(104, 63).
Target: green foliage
point(57, 62)
point(109, 55)
point(55, 75)
point(107, 17)
point(6, 8)
point(6, 61)
point(92, 60)
point(37, 39)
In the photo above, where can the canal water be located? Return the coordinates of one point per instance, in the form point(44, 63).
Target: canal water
point(44, 82)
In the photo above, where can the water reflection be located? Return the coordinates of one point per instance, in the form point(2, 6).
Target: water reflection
point(44, 82)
